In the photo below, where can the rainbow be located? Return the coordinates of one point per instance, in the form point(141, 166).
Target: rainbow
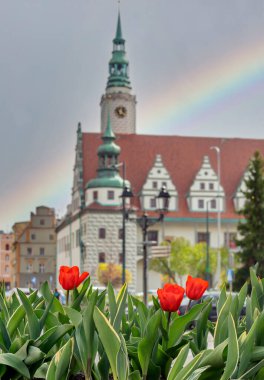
point(235, 75)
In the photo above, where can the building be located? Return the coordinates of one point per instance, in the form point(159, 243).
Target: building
point(6, 242)
point(189, 167)
point(34, 258)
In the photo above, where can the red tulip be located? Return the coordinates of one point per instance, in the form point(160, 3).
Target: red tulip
point(170, 297)
point(195, 287)
point(70, 277)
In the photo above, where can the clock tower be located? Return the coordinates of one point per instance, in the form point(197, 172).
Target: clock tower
point(118, 102)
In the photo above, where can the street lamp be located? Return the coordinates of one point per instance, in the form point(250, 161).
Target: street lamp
point(218, 265)
point(145, 222)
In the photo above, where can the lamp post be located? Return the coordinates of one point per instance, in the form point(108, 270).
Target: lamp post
point(145, 222)
point(218, 265)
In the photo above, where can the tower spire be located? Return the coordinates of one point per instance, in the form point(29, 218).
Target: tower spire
point(118, 64)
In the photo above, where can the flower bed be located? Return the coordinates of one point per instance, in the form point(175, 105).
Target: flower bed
point(101, 336)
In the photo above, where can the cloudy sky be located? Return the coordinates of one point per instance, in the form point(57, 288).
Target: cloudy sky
point(196, 67)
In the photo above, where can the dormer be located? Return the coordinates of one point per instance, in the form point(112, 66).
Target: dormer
point(239, 197)
point(158, 177)
point(203, 193)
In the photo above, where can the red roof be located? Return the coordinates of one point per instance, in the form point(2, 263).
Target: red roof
point(182, 157)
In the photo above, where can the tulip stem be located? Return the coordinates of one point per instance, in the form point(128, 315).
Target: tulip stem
point(67, 297)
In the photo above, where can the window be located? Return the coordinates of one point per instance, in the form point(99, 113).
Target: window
point(6, 269)
point(102, 233)
point(120, 233)
point(202, 237)
point(120, 260)
point(101, 257)
point(42, 222)
point(200, 203)
point(95, 195)
point(153, 236)
point(33, 236)
point(211, 186)
point(29, 251)
point(29, 267)
point(41, 268)
point(154, 184)
point(110, 195)
point(51, 237)
point(213, 203)
point(6, 257)
point(202, 186)
point(7, 247)
point(42, 251)
point(153, 203)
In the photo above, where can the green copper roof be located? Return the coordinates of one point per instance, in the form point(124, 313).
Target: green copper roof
point(108, 182)
point(118, 37)
point(118, 64)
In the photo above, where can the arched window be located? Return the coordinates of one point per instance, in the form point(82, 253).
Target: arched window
point(7, 247)
point(101, 257)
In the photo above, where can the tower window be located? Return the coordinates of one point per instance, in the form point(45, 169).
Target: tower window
point(95, 195)
point(101, 257)
point(102, 233)
point(110, 195)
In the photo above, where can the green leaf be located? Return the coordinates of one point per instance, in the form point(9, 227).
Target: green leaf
point(146, 345)
point(41, 372)
point(12, 361)
point(242, 297)
point(247, 348)
point(18, 315)
point(178, 363)
point(233, 353)
point(222, 299)
point(214, 358)
point(3, 306)
point(63, 360)
point(187, 371)
point(76, 303)
point(48, 296)
point(33, 322)
point(109, 338)
point(135, 375)
point(178, 325)
point(52, 336)
point(121, 305)
point(201, 327)
point(74, 315)
point(5, 341)
point(221, 328)
point(112, 301)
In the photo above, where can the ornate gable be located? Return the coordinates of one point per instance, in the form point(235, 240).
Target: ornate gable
point(157, 177)
point(239, 197)
point(203, 192)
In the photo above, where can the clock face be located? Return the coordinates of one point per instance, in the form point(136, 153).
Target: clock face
point(120, 111)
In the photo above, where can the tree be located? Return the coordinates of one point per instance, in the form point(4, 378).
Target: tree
point(251, 228)
point(186, 259)
point(110, 272)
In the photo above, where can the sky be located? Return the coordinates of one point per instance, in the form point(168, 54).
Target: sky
point(196, 68)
